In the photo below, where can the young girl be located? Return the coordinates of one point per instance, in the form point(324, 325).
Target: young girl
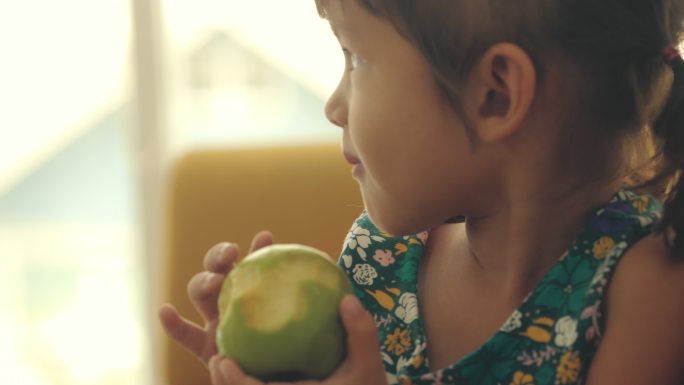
point(511, 155)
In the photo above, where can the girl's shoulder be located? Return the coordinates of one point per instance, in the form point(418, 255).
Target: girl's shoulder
point(643, 341)
point(650, 257)
point(649, 269)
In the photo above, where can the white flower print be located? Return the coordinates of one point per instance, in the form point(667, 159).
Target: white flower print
point(646, 220)
point(423, 236)
point(602, 270)
point(391, 378)
point(407, 310)
point(347, 260)
point(358, 239)
point(402, 363)
point(364, 274)
point(566, 332)
point(386, 357)
point(513, 322)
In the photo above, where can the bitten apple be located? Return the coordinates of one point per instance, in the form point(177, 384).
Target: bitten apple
point(279, 314)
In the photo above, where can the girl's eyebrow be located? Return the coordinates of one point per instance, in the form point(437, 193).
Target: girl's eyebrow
point(337, 23)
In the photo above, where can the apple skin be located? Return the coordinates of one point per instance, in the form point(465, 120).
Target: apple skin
point(279, 314)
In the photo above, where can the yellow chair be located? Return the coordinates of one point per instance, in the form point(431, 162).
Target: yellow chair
point(302, 194)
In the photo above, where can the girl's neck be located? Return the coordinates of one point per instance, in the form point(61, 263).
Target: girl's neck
point(515, 243)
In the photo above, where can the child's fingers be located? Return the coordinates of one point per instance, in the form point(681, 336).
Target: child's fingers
point(220, 258)
point(203, 290)
point(215, 372)
point(187, 333)
point(227, 372)
point(261, 239)
point(362, 340)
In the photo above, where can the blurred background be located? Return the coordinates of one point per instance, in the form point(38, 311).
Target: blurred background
point(97, 99)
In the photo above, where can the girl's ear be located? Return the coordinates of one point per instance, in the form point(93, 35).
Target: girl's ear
point(501, 89)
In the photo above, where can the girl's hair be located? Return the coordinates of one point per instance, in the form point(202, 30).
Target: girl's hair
point(621, 86)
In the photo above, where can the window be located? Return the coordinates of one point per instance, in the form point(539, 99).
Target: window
point(71, 284)
point(74, 289)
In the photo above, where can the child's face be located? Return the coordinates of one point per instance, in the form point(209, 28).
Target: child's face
point(413, 151)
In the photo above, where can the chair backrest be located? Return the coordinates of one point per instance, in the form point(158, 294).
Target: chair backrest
point(302, 194)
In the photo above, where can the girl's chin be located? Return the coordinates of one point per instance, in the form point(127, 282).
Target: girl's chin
point(393, 226)
point(358, 170)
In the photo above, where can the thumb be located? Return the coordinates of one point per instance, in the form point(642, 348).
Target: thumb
point(362, 334)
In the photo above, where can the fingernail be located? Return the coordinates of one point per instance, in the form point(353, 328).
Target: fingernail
point(222, 252)
point(213, 363)
point(353, 306)
point(206, 282)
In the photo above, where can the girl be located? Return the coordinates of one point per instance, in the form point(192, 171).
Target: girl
point(533, 140)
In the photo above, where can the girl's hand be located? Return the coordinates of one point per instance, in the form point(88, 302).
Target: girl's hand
point(363, 365)
point(203, 290)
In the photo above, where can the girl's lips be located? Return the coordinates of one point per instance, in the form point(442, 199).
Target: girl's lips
point(351, 159)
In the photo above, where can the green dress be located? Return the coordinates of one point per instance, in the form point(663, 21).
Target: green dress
point(552, 336)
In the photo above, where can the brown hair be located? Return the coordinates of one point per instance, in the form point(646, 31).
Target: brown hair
point(626, 88)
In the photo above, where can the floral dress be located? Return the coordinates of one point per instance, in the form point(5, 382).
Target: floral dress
point(550, 339)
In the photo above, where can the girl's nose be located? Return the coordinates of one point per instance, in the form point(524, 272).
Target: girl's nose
point(336, 108)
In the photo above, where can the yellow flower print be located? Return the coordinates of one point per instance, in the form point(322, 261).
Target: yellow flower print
point(401, 248)
point(544, 321)
point(398, 342)
point(386, 234)
point(417, 361)
point(569, 368)
point(414, 241)
point(642, 204)
point(522, 378)
point(394, 290)
point(602, 247)
point(384, 299)
point(405, 381)
point(539, 330)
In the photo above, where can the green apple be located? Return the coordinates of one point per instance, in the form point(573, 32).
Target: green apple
point(279, 314)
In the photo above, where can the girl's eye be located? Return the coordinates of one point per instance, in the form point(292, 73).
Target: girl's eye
point(352, 60)
point(355, 60)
